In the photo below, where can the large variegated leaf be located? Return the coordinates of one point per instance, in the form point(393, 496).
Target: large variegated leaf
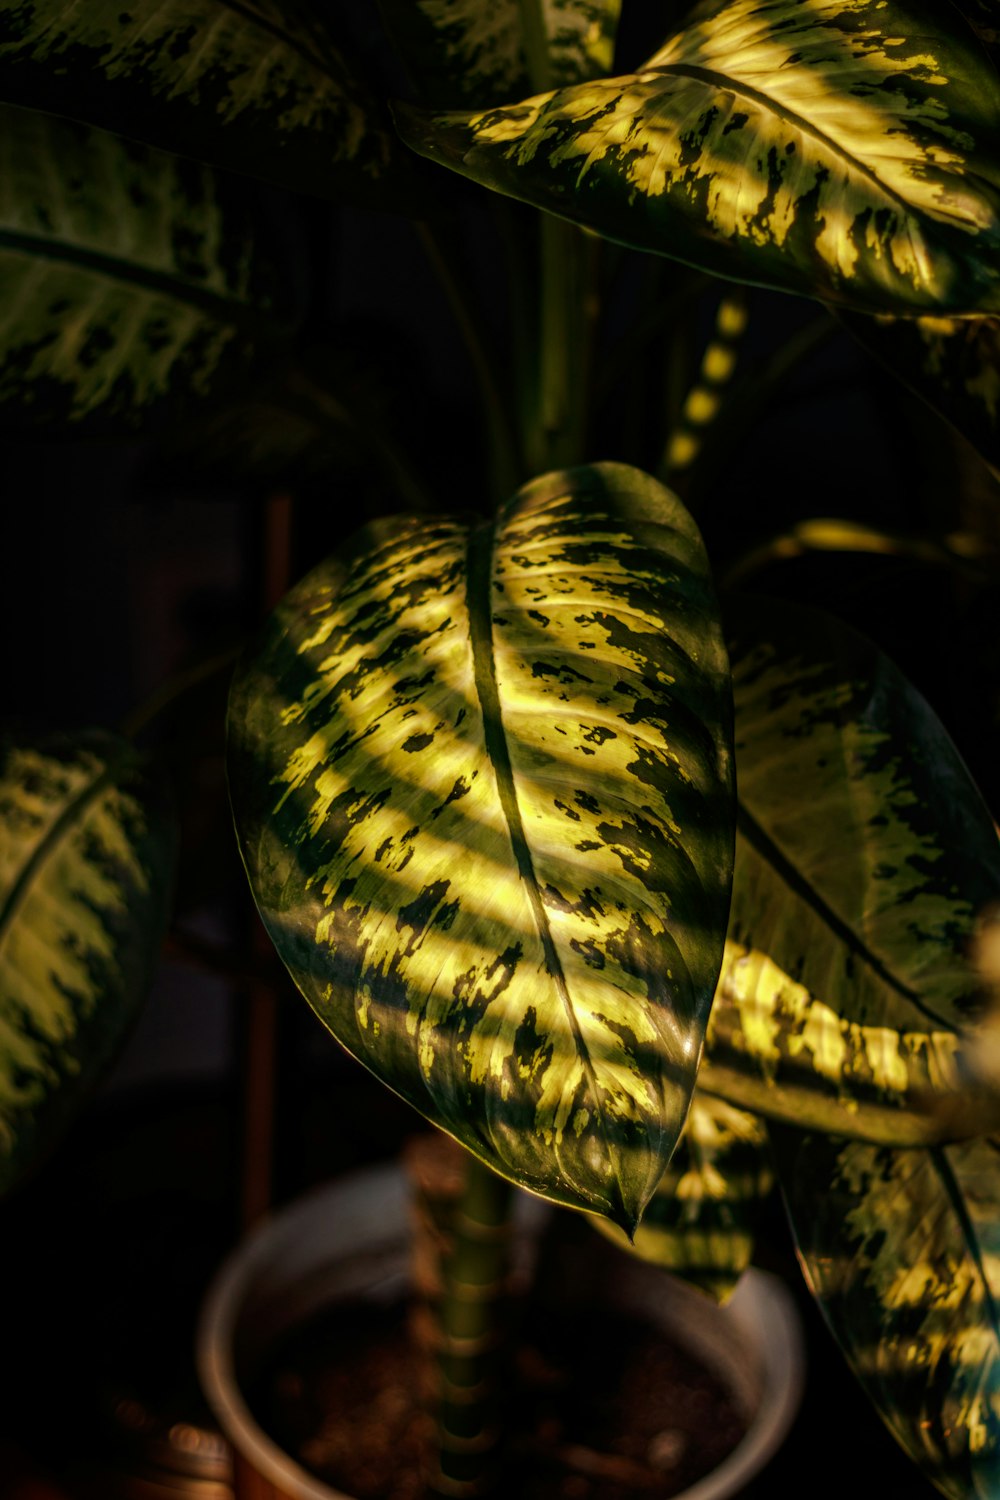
point(953, 363)
point(86, 856)
point(128, 277)
point(902, 1250)
point(257, 87)
point(845, 149)
point(464, 52)
point(864, 853)
point(701, 1221)
point(481, 778)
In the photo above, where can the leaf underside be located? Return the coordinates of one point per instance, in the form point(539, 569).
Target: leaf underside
point(86, 860)
point(481, 778)
point(842, 149)
point(864, 853)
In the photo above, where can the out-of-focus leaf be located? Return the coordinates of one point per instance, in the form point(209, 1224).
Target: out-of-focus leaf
point(864, 853)
point(843, 149)
point(701, 1221)
point(902, 1250)
point(481, 777)
point(86, 857)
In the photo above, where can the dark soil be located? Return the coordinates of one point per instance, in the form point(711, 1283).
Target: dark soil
point(600, 1409)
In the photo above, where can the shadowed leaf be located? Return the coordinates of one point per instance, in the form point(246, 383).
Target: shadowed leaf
point(700, 1222)
point(902, 1251)
point(864, 853)
point(845, 149)
point(481, 777)
point(128, 278)
point(85, 864)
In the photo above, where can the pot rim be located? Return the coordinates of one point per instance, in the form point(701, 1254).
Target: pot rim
point(761, 1312)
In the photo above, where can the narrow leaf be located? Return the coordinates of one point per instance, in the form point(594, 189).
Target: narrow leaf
point(463, 52)
point(953, 363)
point(701, 1221)
point(128, 278)
point(902, 1250)
point(844, 149)
point(256, 87)
point(864, 853)
point(481, 777)
point(85, 864)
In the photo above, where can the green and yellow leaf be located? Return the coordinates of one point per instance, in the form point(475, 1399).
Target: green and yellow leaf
point(864, 853)
point(902, 1250)
point(482, 783)
point(86, 858)
point(257, 87)
point(701, 1221)
point(128, 278)
point(462, 52)
point(953, 363)
point(844, 149)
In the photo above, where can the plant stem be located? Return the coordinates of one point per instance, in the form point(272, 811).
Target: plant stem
point(536, 45)
point(476, 1275)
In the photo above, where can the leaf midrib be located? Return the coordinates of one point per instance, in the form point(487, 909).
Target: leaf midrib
point(786, 871)
point(170, 284)
point(479, 603)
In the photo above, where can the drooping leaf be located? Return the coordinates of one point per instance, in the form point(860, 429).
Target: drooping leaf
point(481, 779)
point(462, 52)
point(701, 1221)
point(902, 1250)
point(845, 149)
point(953, 363)
point(257, 87)
point(128, 278)
point(86, 857)
point(864, 853)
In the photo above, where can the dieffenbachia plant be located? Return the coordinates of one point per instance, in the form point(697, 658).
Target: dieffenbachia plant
point(87, 841)
point(481, 763)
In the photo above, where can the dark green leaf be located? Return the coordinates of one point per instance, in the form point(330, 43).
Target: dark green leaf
point(86, 857)
point(481, 777)
point(844, 149)
point(864, 853)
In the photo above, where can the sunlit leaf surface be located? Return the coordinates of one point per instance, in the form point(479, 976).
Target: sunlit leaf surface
point(465, 52)
point(86, 856)
point(864, 852)
point(902, 1249)
point(128, 278)
point(700, 1223)
point(482, 781)
point(953, 363)
point(846, 149)
point(259, 86)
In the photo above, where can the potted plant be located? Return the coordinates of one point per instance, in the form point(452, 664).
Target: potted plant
point(483, 763)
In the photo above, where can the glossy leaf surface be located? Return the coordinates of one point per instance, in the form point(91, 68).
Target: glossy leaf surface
point(464, 52)
point(86, 857)
point(864, 853)
point(845, 149)
point(953, 363)
point(701, 1221)
point(128, 277)
point(902, 1250)
point(482, 781)
point(256, 87)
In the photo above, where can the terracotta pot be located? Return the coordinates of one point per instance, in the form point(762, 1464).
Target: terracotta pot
point(350, 1239)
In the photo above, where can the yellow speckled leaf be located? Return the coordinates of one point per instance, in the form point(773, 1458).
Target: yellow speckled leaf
point(902, 1250)
point(481, 777)
point(129, 279)
point(86, 856)
point(845, 149)
point(701, 1221)
point(864, 853)
point(467, 52)
point(258, 87)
